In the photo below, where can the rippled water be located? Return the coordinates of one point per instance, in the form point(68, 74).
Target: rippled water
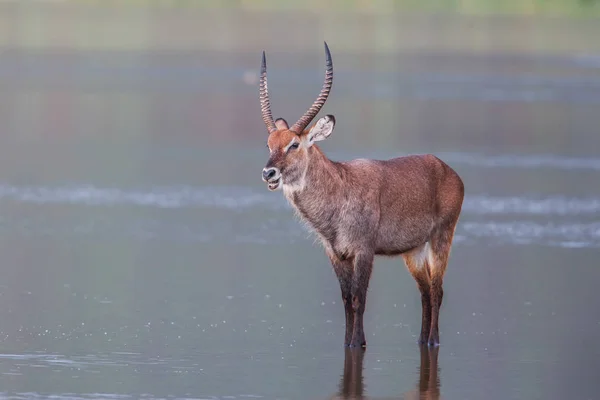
point(554, 220)
point(142, 256)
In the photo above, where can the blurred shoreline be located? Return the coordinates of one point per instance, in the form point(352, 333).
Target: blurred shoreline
point(248, 27)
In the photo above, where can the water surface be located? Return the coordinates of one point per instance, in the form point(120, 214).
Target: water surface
point(142, 256)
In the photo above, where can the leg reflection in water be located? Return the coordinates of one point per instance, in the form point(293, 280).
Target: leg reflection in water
point(428, 387)
point(352, 385)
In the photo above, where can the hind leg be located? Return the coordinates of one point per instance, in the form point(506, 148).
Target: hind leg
point(416, 262)
point(441, 243)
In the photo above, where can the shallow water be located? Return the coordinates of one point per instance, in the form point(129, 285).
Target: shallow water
point(142, 256)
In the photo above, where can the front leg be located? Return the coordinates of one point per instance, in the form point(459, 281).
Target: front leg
point(343, 271)
point(363, 265)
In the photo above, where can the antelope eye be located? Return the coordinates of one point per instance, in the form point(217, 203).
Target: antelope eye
point(295, 145)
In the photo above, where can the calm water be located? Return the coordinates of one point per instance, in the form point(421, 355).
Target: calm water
point(142, 256)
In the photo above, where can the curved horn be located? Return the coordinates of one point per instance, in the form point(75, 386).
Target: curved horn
point(299, 126)
point(265, 104)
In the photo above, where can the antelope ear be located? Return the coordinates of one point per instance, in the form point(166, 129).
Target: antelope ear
point(321, 129)
point(281, 123)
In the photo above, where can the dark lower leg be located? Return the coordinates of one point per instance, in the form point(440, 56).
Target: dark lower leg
point(426, 316)
point(347, 298)
point(343, 271)
point(437, 293)
point(358, 333)
point(422, 278)
point(363, 266)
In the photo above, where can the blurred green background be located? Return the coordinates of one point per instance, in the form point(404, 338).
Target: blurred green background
point(475, 25)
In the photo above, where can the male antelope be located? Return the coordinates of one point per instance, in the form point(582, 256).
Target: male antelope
point(405, 206)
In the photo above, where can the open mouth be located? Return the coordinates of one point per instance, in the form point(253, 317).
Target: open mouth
point(273, 185)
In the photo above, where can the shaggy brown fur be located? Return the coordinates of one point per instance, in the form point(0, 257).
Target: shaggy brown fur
point(406, 206)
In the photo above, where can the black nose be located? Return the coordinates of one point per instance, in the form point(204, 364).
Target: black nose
point(268, 173)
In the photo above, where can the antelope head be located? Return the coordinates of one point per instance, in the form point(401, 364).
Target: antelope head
point(290, 147)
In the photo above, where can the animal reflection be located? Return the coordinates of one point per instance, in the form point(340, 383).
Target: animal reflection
point(352, 386)
point(429, 381)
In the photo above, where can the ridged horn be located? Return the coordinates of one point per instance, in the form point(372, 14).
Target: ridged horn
point(265, 103)
point(303, 122)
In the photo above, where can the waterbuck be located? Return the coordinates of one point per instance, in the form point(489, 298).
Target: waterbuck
point(405, 206)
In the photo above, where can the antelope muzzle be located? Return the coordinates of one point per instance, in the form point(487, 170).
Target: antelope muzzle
point(272, 176)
